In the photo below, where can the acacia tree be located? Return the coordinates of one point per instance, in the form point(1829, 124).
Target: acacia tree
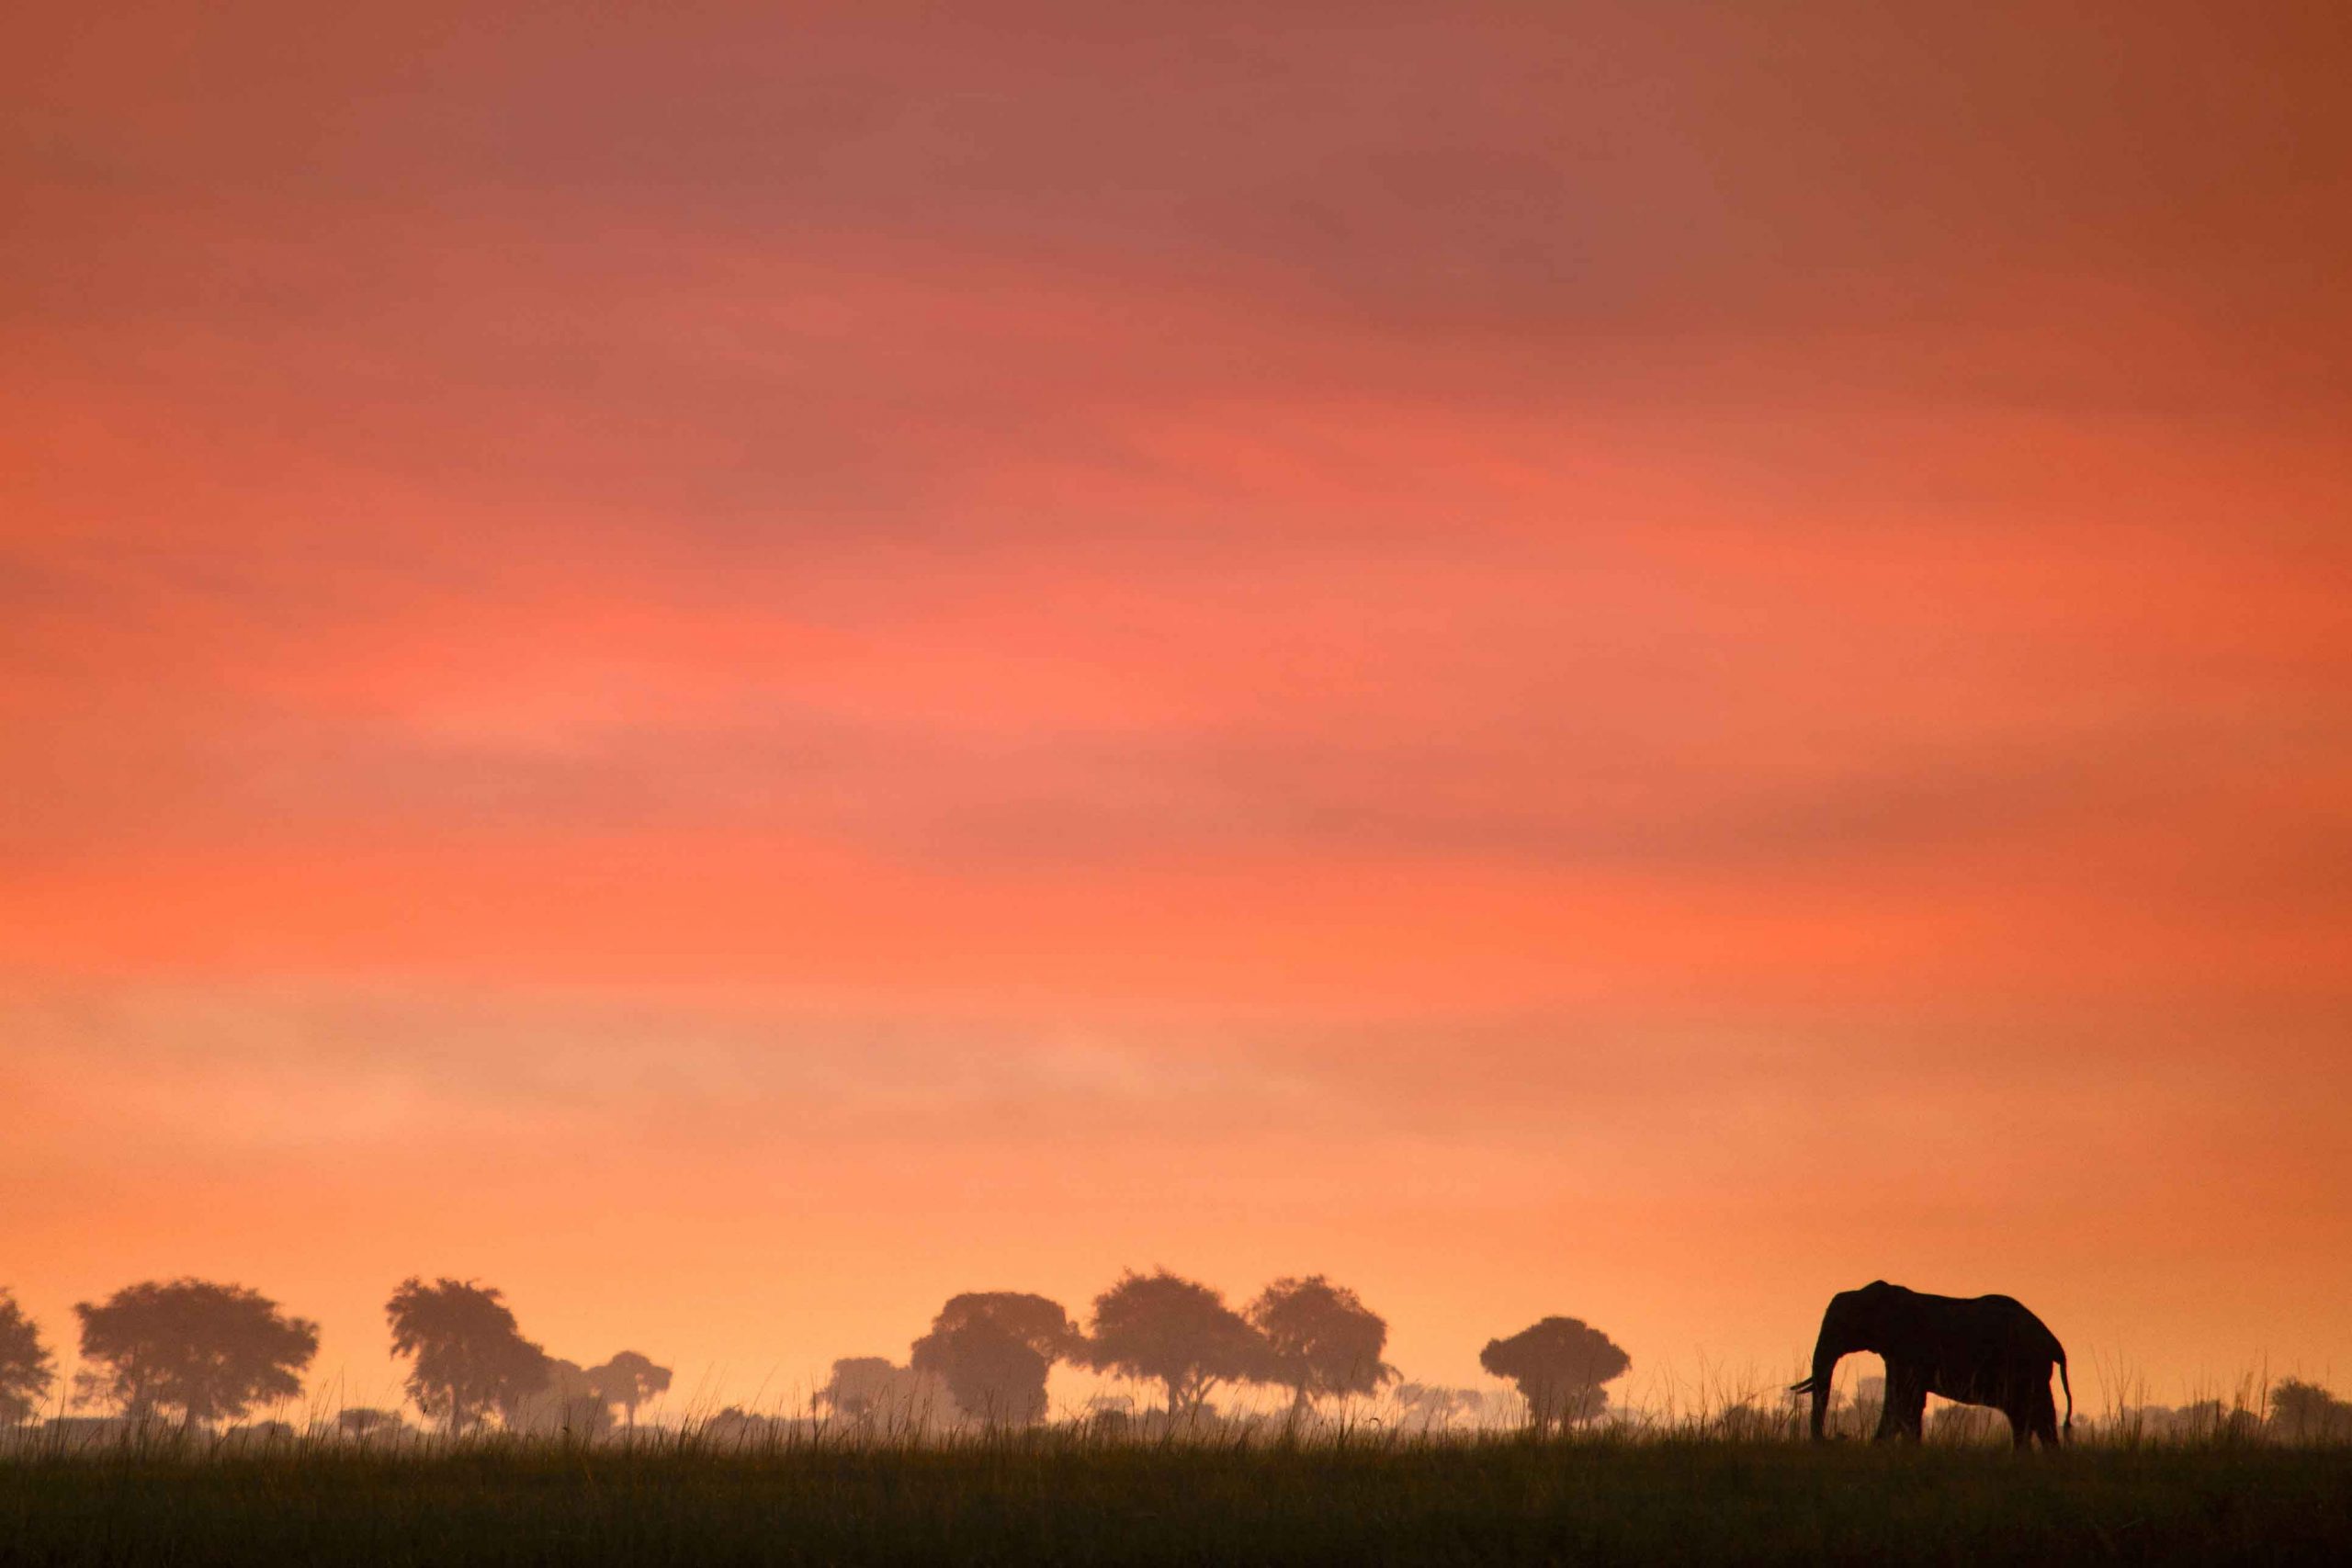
point(1175, 1332)
point(467, 1354)
point(207, 1350)
point(628, 1380)
point(26, 1370)
point(1559, 1365)
point(994, 1349)
point(1321, 1340)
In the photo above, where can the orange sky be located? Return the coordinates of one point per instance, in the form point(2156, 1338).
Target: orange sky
point(739, 670)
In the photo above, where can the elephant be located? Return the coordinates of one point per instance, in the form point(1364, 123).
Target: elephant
point(1979, 1351)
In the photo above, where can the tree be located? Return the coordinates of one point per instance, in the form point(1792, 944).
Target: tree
point(208, 1351)
point(467, 1355)
point(26, 1370)
point(874, 1391)
point(1431, 1407)
point(363, 1422)
point(2306, 1412)
point(736, 1428)
point(1175, 1332)
point(994, 1349)
point(1321, 1340)
point(628, 1380)
point(568, 1400)
point(1559, 1365)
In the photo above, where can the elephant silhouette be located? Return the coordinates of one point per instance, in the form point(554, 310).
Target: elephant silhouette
point(1974, 1350)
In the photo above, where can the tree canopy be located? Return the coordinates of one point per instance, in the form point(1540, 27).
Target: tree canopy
point(2304, 1411)
point(467, 1354)
point(873, 1390)
point(1559, 1365)
point(569, 1400)
point(26, 1370)
point(364, 1421)
point(628, 1380)
point(994, 1349)
point(1175, 1332)
point(208, 1351)
point(1321, 1340)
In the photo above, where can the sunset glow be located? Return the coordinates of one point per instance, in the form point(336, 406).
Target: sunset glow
point(738, 671)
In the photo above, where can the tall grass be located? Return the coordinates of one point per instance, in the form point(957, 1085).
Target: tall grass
point(1711, 1486)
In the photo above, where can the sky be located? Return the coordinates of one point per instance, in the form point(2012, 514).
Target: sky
point(738, 667)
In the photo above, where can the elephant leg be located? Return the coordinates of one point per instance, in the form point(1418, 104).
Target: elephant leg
point(2044, 1415)
point(1907, 1406)
point(2021, 1425)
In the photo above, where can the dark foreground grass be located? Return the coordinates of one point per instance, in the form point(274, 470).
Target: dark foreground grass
point(1041, 1502)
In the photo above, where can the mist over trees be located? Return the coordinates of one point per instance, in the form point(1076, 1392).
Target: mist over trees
point(1321, 1341)
point(208, 1351)
point(1175, 1332)
point(1559, 1365)
point(994, 1350)
point(2306, 1412)
point(211, 1351)
point(628, 1380)
point(1431, 1407)
point(467, 1355)
point(363, 1421)
point(26, 1370)
point(468, 1358)
point(875, 1393)
point(566, 1400)
point(207, 1354)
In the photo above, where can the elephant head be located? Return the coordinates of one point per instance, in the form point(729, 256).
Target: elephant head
point(1869, 1319)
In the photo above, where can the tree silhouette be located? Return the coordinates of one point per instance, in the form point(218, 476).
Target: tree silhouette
point(208, 1351)
point(569, 1400)
point(874, 1390)
point(1429, 1407)
point(993, 1349)
point(1321, 1340)
point(628, 1380)
point(859, 1386)
point(992, 1374)
point(25, 1372)
point(1559, 1365)
point(1175, 1332)
point(467, 1354)
point(361, 1421)
point(2306, 1412)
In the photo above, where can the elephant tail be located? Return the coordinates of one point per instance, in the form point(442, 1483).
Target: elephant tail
point(2065, 1382)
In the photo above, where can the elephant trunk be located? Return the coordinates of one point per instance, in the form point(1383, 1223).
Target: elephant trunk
point(1826, 1352)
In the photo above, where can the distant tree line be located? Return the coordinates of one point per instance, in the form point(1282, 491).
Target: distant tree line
point(199, 1354)
point(202, 1354)
point(987, 1357)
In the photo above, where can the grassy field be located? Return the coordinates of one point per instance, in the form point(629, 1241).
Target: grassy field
point(1052, 1499)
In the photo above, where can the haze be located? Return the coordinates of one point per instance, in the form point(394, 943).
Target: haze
point(737, 668)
